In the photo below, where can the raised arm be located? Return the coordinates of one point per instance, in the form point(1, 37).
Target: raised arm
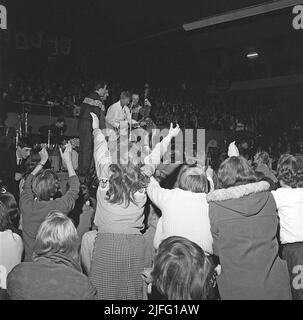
point(101, 153)
point(233, 150)
point(154, 159)
point(66, 203)
point(157, 194)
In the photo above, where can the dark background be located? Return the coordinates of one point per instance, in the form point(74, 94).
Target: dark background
point(137, 41)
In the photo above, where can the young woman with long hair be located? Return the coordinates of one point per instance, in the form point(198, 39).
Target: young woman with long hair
point(119, 250)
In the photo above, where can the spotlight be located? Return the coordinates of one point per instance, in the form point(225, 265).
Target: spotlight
point(252, 55)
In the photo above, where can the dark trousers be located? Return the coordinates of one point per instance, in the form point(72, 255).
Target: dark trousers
point(293, 254)
point(86, 147)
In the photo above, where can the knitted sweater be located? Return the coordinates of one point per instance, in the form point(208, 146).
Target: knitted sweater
point(34, 211)
point(184, 214)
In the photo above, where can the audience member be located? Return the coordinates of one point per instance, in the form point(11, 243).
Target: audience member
point(55, 273)
point(11, 246)
point(184, 209)
point(182, 271)
point(119, 250)
point(289, 201)
point(244, 226)
point(39, 197)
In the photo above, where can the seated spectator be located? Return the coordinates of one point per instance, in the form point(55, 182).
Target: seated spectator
point(38, 197)
point(9, 201)
point(184, 208)
point(289, 201)
point(11, 246)
point(55, 273)
point(182, 271)
point(244, 225)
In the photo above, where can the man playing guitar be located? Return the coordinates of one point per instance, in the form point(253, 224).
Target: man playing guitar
point(118, 120)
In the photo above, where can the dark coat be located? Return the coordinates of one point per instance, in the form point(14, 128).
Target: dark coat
point(52, 277)
point(244, 226)
point(92, 103)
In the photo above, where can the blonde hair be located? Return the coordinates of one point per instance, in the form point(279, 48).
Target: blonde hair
point(57, 234)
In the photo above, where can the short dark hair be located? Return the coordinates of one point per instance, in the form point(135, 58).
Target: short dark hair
point(100, 84)
point(192, 178)
point(181, 270)
point(45, 185)
point(289, 170)
point(125, 95)
point(60, 120)
point(25, 143)
point(235, 171)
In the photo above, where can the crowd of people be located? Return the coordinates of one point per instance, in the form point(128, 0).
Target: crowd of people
point(251, 113)
point(131, 231)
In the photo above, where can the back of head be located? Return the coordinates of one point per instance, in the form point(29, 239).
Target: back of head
point(45, 185)
point(25, 143)
point(126, 177)
point(57, 235)
point(290, 171)
point(192, 178)
point(181, 270)
point(99, 84)
point(5, 222)
point(125, 95)
point(32, 161)
point(235, 171)
point(9, 215)
point(124, 182)
point(299, 158)
point(262, 158)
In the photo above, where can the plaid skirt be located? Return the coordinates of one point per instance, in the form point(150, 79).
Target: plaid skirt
point(118, 260)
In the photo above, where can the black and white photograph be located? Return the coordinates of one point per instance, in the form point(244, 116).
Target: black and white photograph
point(151, 152)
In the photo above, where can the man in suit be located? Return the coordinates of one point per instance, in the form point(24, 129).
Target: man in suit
point(94, 102)
point(13, 163)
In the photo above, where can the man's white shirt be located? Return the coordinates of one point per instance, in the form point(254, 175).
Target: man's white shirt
point(118, 117)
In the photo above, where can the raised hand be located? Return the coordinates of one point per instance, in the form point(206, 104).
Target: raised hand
point(67, 154)
point(95, 122)
point(209, 172)
point(233, 150)
point(43, 155)
point(174, 131)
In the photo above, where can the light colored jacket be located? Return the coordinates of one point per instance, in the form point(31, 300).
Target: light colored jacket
point(117, 117)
